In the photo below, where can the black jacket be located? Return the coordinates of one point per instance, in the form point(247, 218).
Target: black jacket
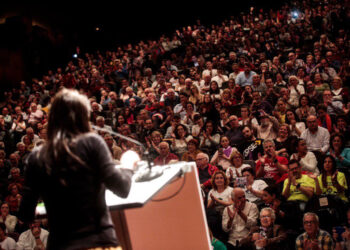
point(77, 212)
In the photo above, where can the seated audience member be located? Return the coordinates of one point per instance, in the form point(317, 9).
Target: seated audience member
point(268, 128)
point(164, 155)
point(286, 215)
point(245, 117)
point(334, 106)
point(341, 234)
point(9, 220)
point(209, 138)
point(316, 137)
point(271, 166)
point(235, 170)
point(284, 142)
point(258, 105)
point(339, 152)
point(313, 237)
point(250, 146)
point(306, 159)
point(115, 150)
point(331, 180)
point(14, 198)
point(223, 155)
point(153, 144)
point(34, 238)
point(268, 236)
point(305, 109)
point(6, 243)
point(296, 126)
point(342, 127)
point(254, 188)
point(219, 196)
point(323, 119)
point(192, 151)
point(205, 170)
point(234, 134)
point(180, 139)
point(239, 218)
point(298, 187)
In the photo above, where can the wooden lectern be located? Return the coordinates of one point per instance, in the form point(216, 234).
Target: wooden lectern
point(166, 213)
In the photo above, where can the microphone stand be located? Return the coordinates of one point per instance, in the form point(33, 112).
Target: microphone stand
point(146, 174)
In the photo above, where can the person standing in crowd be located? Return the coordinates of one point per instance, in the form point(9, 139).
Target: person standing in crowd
point(60, 165)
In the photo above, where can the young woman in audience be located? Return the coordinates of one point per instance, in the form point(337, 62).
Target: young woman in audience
point(220, 195)
point(180, 139)
point(237, 166)
point(209, 138)
point(254, 188)
point(5, 217)
point(304, 109)
point(192, 151)
point(296, 127)
point(306, 159)
point(332, 181)
point(339, 152)
point(14, 198)
point(222, 157)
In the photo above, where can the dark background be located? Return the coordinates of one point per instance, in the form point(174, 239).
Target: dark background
point(37, 37)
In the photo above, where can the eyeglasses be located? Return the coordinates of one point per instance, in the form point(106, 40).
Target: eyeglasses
point(309, 222)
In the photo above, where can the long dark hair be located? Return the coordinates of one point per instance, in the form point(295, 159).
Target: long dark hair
point(323, 172)
point(68, 118)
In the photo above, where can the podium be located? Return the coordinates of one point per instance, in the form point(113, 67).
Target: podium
point(166, 213)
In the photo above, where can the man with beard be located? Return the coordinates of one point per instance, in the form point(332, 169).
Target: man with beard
point(268, 127)
point(251, 146)
point(245, 77)
point(298, 187)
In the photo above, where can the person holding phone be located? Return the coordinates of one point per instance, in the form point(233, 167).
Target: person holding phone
point(71, 171)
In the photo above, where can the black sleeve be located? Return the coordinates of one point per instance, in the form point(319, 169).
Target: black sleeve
point(30, 191)
point(115, 179)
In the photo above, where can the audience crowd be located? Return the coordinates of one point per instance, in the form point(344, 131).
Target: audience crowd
point(259, 102)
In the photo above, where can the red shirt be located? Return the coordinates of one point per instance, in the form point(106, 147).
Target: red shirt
point(270, 168)
point(160, 161)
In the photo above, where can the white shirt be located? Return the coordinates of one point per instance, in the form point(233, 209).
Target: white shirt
point(257, 185)
point(224, 196)
point(8, 244)
point(220, 80)
point(27, 241)
point(317, 141)
point(239, 228)
point(308, 162)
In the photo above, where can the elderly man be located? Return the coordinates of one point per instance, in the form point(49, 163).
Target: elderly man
point(238, 218)
point(316, 137)
point(270, 165)
point(165, 156)
point(313, 237)
point(205, 170)
point(268, 128)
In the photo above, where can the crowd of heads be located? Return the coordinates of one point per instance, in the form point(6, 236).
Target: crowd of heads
point(261, 90)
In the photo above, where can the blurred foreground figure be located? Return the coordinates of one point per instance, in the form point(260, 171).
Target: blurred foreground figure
point(70, 172)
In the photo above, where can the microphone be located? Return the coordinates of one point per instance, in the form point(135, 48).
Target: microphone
point(145, 174)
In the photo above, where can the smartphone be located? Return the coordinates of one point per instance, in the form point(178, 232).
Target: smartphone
point(340, 230)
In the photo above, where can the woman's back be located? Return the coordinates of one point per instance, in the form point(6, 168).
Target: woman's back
point(74, 197)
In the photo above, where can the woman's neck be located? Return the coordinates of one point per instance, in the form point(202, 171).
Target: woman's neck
point(220, 189)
